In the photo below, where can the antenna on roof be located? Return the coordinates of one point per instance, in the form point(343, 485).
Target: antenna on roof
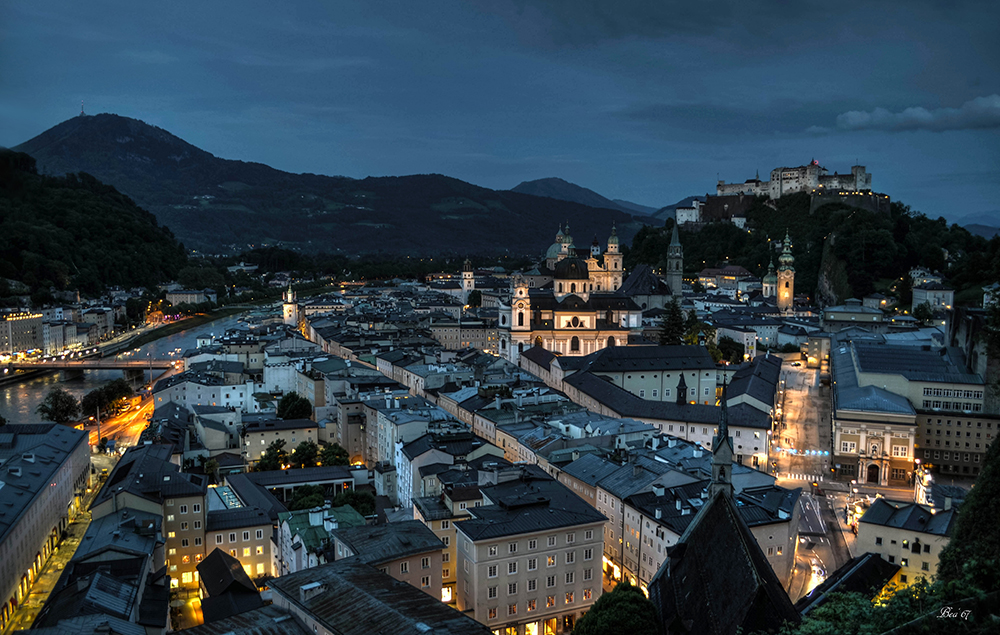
point(81, 108)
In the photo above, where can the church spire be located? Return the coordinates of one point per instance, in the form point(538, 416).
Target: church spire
point(675, 238)
point(722, 453)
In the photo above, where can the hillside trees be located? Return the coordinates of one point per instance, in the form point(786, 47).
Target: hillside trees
point(59, 406)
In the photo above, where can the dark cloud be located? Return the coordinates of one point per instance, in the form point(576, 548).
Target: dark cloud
point(977, 114)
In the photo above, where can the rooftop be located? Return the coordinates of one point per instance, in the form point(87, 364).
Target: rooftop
point(375, 544)
point(910, 516)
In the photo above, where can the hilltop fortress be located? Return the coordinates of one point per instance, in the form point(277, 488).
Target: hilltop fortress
point(805, 178)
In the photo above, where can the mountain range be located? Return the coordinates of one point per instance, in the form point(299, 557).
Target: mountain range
point(220, 205)
point(557, 188)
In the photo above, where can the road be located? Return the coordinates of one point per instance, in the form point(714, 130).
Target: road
point(125, 428)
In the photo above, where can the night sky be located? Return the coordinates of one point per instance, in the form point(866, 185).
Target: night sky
point(643, 100)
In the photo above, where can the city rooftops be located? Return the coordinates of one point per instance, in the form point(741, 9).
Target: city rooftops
point(280, 424)
point(911, 517)
point(236, 518)
point(377, 544)
point(923, 363)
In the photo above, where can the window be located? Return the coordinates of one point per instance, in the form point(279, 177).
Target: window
point(569, 597)
point(588, 554)
point(532, 584)
point(588, 574)
point(551, 561)
point(512, 547)
point(170, 518)
point(878, 540)
point(491, 571)
point(260, 534)
point(425, 563)
point(184, 542)
point(588, 535)
point(184, 526)
point(404, 567)
point(184, 509)
point(463, 506)
point(899, 450)
point(570, 557)
point(445, 524)
point(196, 508)
point(511, 568)
point(550, 581)
point(260, 550)
point(218, 539)
point(446, 540)
point(232, 552)
point(197, 524)
point(512, 588)
point(588, 595)
point(493, 614)
point(570, 538)
point(493, 550)
point(532, 605)
point(532, 564)
point(445, 557)
point(491, 592)
point(927, 548)
point(171, 552)
point(892, 559)
point(550, 601)
point(902, 579)
point(425, 581)
point(532, 544)
point(512, 609)
point(570, 577)
point(246, 535)
point(446, 573)
point(171, 534)
point(925, 566)
point(232, 537)
point(848, 446)
point(552, 541)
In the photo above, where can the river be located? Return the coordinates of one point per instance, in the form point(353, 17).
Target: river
point(18, 401)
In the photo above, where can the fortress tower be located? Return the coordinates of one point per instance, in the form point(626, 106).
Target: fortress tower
point(786, 277)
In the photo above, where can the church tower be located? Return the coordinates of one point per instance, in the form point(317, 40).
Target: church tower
point(770, 282)
point(675, 264)
point(722, 455)
point(786, 276)
point(468, 281)
point(613, 262)
point(290, 308)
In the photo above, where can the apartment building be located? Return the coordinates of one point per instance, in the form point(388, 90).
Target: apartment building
point(259, 435)
point(245, 533)
point(529, 557)
point(906, 534)
point(408, 551)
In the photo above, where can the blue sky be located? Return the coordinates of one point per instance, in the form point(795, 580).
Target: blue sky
point(642, 100)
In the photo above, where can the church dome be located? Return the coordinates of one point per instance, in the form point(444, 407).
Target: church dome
point(554, 250)
point(572, 269)
point(613, 239)
point(771, 277)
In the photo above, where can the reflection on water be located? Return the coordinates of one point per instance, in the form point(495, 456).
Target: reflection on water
point(19, 401)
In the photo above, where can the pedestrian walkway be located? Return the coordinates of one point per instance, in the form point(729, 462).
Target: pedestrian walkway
point(804, 477)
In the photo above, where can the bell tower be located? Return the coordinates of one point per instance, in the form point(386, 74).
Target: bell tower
point(722, 455)
point(468, 281)
point(613, 262)
point(290, 308)
point(675, 264)
point(786, 277)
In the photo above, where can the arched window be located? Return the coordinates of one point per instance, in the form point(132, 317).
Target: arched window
point(609, 317)
point(611, 342)
point(574, 344)
point(616, 265)
point(560, 287)
point(786, 284)
point(520, 347)
point(572, 287)
point(520, 318)
point(538, 340)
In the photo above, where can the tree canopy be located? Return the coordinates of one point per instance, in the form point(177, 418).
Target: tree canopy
point(59, 406)
point(294, 406)
point(307, 497)
point(624, 610)
point(362, 502)
point(304, 455)
point(672, 328)
point(272, 458)
point(333, 454)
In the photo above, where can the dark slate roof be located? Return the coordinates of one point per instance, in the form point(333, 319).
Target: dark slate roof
point(571, 269)
point(747, 416)
point(253, 495)
point(914, 363)
point(616, 359)
point(758, 379)
point(267, 620)
point(716, 580)
point(539, 355)
point(458, 444)
point(236, 517)
point(590, 468)
point(628, 405)
point(642, 281)
point(146, 471)
point(533, 502)
point(222, 573)
point(352, 598)
point(867, 574)
point(281, 424)
point(910, 516)
point(305, 475)
point(375, 544)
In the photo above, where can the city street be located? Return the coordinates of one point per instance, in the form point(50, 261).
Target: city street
point(803, 431)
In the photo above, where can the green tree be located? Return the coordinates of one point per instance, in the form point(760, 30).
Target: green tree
point(362, 502)
point(272, 458)
point(923, 312)
point(475, 298)
point(304, 454)
point(293, 406)
point(3, 421)
point(59, 406)
point(212, 469)
point(334, 455)
point(624, 610)
point(731, 350)
point(307, 497)
point(672, 324)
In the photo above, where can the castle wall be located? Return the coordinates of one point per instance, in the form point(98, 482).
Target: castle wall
point(872, 202)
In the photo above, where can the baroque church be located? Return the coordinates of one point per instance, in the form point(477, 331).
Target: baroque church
point(580, 310)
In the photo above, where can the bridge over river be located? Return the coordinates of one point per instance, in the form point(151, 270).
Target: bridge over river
point(93, 363)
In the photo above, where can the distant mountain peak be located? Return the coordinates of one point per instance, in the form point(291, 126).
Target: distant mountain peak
point(563, 190)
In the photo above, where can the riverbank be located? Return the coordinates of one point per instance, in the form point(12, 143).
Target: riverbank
point(182, 325)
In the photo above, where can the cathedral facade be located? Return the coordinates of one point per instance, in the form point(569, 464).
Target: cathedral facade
point(579, 312)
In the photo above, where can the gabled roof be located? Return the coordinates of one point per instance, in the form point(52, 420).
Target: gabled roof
point(866, 574)
point(221, 573)
point(910, 516)
point(375, 544)
point(590, 468)
point(642, 281)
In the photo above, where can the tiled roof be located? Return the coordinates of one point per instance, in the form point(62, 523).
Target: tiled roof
point(910, 516)
point(236, 518)
point(375, 544)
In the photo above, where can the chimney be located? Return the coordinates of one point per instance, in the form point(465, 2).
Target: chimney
point(575, 454)
point(697, 452)
point(659, 513)
point(678, 503)
point(636, 470)
point(658, 490)
point(307, 591)
point(671, 442)
point(316, 517)
point(947, 503)
point(656, 442)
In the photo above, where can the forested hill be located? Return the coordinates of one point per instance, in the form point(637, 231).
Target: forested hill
point(75, 232)
point(210, 202)
point(839, 250)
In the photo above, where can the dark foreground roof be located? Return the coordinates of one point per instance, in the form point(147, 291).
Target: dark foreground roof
point(267, 620)
point(352, 598)
point(716, 580)
point(867, 574)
